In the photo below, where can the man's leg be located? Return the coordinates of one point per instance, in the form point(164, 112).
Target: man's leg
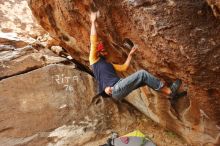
point(136, 80)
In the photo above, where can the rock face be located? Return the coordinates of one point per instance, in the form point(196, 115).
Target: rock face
point(15, 18)
point(215, 5)
point(177, 39)
point(50, 105)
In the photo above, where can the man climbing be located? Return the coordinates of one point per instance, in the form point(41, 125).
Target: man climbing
point(110, 83)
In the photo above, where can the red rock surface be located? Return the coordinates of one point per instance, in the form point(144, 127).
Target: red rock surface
point(176, 39)
point(215, 5)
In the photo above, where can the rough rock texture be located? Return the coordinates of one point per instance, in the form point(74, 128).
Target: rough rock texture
point(50, 79)
point(15, 19)
point(17, 57)
point(176, 39)
point(215, 5)
point(52, 98)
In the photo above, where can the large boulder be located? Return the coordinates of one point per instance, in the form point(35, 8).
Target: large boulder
point(177, 39)
point(35, 103)
point(49, 93)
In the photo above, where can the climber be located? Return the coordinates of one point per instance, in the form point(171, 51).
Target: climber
point(110, 83)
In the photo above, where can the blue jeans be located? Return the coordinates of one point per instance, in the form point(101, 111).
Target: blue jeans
point(141, 78)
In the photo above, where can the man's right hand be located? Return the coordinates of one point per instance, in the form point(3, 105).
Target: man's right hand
point(93, 16)
point(108, 90)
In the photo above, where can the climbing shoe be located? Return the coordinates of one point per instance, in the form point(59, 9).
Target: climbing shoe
point(175, 87)
point(177, 96)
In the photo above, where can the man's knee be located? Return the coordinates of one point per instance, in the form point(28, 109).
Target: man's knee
point(143, 72)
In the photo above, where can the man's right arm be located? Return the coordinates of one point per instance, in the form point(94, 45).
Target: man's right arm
point(93, 57)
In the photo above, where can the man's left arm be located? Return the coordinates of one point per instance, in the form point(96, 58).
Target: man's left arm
point(124, 67)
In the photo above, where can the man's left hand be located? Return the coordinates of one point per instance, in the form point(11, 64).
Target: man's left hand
point(133, 50)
